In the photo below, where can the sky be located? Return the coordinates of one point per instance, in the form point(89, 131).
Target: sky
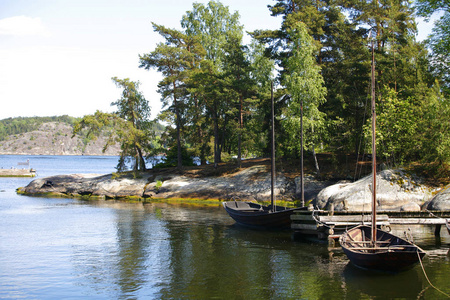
point(57, 57)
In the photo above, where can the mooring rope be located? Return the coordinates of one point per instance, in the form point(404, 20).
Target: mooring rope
point(433, 215)
point(318, 221)
point(426, 276)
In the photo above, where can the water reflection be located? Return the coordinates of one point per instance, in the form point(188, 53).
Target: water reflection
point(166, 251)
point(407, 284)
point(136, 256)
point(120, 250)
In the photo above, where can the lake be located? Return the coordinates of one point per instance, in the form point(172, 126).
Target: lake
point(55, 248)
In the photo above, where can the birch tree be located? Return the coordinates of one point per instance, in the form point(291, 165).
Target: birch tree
point(305, 85)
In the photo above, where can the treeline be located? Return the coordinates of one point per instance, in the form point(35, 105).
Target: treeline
point(216, 90)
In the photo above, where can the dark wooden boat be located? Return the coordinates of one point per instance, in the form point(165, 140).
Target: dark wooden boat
point(254, 215)
point(369, 247)
point(389, 253)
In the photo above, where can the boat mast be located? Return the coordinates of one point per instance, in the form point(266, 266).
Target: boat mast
point(302, 184)
point(374, 152)
point(272, 194)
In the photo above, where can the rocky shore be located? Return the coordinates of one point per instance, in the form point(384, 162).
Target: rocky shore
point(396, 189)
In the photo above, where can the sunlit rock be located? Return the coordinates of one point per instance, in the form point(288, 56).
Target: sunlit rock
point(441, 201)
point(394, 190)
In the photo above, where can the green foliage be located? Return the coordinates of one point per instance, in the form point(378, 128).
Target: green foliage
point(396, 126)
point(208, 86)
point(158, 185)
point(171, 158)
point(214, 25)
point(439, 39)
point(413, 129)
point(434, 128)
point(115, 175)
point(305, 85)
point(174, 59)
point(135, 126)
point(130, 126)
point(220, 34)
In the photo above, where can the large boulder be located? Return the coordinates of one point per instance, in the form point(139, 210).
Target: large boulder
point(91, 185)
point(252, 183)
point(441, 201)
point(396, 190)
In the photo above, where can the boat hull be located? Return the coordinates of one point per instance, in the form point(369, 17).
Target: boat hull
point(392, 254)
point(254, 215)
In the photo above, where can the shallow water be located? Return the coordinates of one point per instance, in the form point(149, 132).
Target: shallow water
point(53, 248)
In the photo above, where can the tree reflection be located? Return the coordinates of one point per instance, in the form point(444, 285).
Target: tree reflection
point(166, 251)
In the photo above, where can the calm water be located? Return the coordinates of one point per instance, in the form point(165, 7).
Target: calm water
point(64, 248)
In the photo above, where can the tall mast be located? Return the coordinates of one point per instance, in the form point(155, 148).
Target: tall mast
point(272, 194)
point(302, 184)
point(374, 154)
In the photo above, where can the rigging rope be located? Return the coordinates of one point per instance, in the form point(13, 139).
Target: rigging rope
point(426, 276)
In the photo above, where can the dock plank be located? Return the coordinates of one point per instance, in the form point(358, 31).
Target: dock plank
point(306, 223)
point(417, 221)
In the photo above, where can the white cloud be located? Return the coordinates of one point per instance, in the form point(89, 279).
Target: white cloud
point(23, 26)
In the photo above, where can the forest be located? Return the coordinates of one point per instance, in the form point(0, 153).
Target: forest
point(216, 91)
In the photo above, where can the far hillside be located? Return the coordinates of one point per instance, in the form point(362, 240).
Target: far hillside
point(19, 125)
point(51, 136)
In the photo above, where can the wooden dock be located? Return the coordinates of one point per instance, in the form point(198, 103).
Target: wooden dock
point(330, 225)
point(13, 172)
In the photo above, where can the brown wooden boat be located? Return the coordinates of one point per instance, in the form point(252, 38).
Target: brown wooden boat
point(389, 253)
point(369, 247)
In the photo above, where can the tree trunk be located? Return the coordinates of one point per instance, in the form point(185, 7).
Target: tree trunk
point(241, 121)
point(222, 141)
point(216, 141)
point(313, 150)
point(177, 113)
point(316, 162)
point(141, 160)
point(201, 142)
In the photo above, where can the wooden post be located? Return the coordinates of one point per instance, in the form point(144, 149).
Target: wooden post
point(437, 230)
